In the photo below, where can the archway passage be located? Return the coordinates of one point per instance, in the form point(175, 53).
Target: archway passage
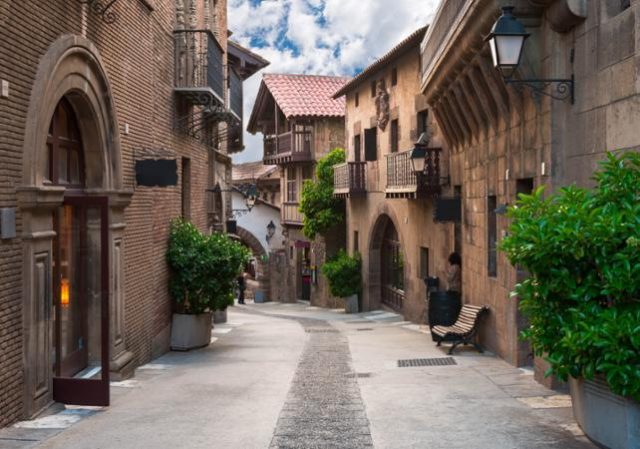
point(392, 273)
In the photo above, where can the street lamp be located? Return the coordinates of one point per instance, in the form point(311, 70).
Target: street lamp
point(506, 42)
point(271, 230)
point(419, 153)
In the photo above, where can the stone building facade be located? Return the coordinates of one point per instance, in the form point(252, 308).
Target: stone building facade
point(296, 133)
point(504, 139)
point(103, 141)
point(389, 209)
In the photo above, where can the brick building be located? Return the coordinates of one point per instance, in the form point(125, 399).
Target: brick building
point(506, 138)
point(115, 117)
point(300, 123)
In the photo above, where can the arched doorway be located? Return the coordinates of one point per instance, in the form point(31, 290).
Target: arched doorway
point(80, 270)
point(386, 265)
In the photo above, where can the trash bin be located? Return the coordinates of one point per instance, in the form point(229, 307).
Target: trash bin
point(443, 308)
point(258, 296)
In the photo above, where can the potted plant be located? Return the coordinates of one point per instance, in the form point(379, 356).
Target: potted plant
point(581, 248)
point(203, 273)
point(345, 280)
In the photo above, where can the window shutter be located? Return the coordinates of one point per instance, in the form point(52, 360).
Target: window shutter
point(370, 150)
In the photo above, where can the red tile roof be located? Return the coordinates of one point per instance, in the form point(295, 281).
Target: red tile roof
point(306, 95)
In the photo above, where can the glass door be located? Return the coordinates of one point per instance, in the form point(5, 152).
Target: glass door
point(81, 302)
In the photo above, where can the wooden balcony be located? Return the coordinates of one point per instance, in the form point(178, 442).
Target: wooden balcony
point(349, 179)
point(291, 214)
point(293, 146)
point(403, 182)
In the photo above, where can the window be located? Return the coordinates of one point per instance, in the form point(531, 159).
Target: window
point(64, 147)
point(373, 88)
point(186, 187)
point(307, 172)
point(424, 262)
point(357, 99)
point(292, 195)
point(492, 236)
point(356, 245)
point(393, 136)
point(394, 76)
point(423, 123)
point(370, 144)
point(357, 148)
point(524, 186)
point(273, 198)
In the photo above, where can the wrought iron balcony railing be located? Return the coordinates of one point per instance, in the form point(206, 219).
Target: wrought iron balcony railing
point(292, 146)
point(235, 93)
point(349, 179)
point(403, 182)
point(199, 70)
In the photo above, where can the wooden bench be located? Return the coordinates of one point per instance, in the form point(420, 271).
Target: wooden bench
point(463, 330)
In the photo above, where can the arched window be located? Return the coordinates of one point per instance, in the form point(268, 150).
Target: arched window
point(64, 148)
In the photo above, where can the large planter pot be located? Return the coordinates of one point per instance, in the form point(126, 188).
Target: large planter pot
point(190, 331)
point(351, 304)
point(220, 316)
point(606, 418)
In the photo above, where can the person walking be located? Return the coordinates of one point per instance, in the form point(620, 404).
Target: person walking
point(241, 288)
point(454, 274)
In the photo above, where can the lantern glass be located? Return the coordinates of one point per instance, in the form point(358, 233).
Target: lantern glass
point(506, 50)
point(418, 160)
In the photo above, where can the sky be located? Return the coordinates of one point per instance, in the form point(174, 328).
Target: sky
point(319, 37)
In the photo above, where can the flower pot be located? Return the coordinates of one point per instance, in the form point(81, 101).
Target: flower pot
point(190, 331)
point(351, 304)
point(606, 418)
point(220, 316)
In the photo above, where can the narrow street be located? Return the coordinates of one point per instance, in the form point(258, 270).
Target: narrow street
point(293, 376)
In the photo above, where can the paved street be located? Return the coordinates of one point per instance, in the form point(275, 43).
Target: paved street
point(293, 376)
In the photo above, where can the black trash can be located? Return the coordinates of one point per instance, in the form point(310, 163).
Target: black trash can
point(443, 308)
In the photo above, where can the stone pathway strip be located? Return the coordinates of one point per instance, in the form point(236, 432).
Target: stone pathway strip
point(324, 408)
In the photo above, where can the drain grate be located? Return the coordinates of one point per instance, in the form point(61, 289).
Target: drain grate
point(321, 330)
point(358, 321)
point(359, 375)
point(439, 361)
point(365, 329)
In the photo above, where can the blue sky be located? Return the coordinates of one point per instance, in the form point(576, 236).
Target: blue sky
point(323, 37)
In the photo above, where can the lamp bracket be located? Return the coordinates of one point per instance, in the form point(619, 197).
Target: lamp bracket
point(563, 89)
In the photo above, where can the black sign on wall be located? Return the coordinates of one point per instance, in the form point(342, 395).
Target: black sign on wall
point(157, 172)
point(448, 209)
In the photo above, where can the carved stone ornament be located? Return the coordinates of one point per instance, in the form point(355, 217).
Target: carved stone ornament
point(382, 105)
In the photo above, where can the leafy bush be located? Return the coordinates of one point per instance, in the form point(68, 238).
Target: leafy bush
point(204, 268)
point(321, 210)
point(582, 250)
point(343, 274)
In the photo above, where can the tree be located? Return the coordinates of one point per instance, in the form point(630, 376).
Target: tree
point(321, 210)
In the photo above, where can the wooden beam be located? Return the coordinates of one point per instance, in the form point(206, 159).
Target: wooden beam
point(487, 103)
point(463, 104)
point(496, 89)
point(453, 125)
point(458, 118)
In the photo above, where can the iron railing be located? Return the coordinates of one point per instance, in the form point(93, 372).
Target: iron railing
point(402, 178)
point(349, 178)
point(198, 61)
point(235, 93)
point(290, 146)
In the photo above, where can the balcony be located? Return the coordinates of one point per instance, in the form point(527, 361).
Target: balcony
point(291, 214)
point(402, 181)
point(349, 179)
point(293, 146)
point(235, 93)
point(199, 70)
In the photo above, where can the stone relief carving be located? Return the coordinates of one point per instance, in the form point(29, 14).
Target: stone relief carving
point(382, 105)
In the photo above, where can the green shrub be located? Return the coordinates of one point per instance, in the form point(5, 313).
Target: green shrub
point(321, 210)
point(204, 268)
point(344, 275)
point(582, 250)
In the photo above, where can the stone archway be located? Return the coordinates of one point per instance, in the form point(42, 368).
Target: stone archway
point(373, 262)
point(71, 69)
point(261, 256)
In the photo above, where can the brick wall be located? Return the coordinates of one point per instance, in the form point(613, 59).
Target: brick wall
point(137, 53)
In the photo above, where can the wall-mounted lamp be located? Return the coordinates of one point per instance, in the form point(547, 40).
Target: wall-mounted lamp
point(271, 230)
point(506, 42)
point(419, 153)
point(502, 209)
point(64, 292)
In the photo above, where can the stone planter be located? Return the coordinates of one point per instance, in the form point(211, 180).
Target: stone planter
point(220, 316)
point(606, 418)
point(190, 331)
point(351, 304)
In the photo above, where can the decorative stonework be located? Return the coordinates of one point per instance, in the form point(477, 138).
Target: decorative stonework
point(382, 105)
point(180, 24)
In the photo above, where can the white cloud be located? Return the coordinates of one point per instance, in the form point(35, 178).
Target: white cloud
point(303, 36)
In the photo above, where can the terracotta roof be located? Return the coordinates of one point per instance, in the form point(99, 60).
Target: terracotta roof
point(251, 171)
point(306, 95)
point(412, 41)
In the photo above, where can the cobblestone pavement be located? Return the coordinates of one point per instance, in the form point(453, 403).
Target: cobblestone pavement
point(324, 408)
